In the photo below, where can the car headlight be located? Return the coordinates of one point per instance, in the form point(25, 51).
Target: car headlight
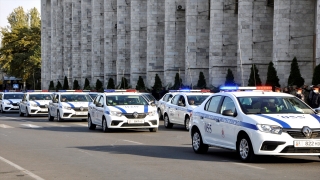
point(115, 113)
point(7, 103)
point(152, 113)
point(67, 107)
point(34, 105)
point(270, 128)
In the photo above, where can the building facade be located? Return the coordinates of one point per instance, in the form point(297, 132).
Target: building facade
point(102, 39)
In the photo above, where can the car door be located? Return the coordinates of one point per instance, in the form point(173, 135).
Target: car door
point(54, 105)
point(181, 110)
point(99, 109)
point(93, 111)
point(172, 108)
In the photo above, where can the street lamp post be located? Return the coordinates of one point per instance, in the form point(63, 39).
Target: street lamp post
point(24, 74)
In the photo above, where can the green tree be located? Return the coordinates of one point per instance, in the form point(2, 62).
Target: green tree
point(124, 83)
point(230, 79)
point(86, 84)
point(111, 84)
point(51, 86)
point(157, 83)
point(254, 79)
point(65, 83)
point(202, 81)
point(177, 82)
point(76, 85)
point(20, 52)
point(99, 85)
point(140, 84)
point(59, 86)
point(295, 77)
point(272, 77)
point(316, 75)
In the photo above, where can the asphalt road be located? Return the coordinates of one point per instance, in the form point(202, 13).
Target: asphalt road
point(34, 148)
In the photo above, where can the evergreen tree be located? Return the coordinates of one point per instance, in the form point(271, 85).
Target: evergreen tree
point(65, 83)
point(316, 75)
point(124, 83)
point(295, 77)
point(86, 85)
point(59, 86)
point(177, 82)
point(202, 81)
point(76, 85)
point(254, 79)
point(230, 79)
point(99, 85)
point(140, 84)
point(111, 84)
point(157, 83)
point(272, 77)
point(51, 86)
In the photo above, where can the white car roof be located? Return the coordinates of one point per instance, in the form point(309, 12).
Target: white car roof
point(122, 93)
point(255, 93)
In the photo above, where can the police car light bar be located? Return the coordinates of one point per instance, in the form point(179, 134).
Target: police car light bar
point(120, 90)
point(37, 90)
point(189, 90)
point(70, 90)
point(230, 88)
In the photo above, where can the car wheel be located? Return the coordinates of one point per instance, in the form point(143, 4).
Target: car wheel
point(50, 118)
point(167, 123)
point(244, 149)
point(90, 125)
point(159, 114)
point(104, 125)
point(58, 117)
point(20, 113)
point(187, 123)
point(197, 143)
point(27, 113)
point(153, 129)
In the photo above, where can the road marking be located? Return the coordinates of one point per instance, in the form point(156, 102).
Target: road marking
point(31, 126)
point(5, 117)
point(21, 169)
point(86, 153)
point(58, 125)
point(134, 142)
point(5, 126)
point(255, 167)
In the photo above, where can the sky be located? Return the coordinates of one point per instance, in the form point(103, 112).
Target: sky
point(7, 6)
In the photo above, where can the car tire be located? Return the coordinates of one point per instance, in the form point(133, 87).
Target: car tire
point(105, 127)
point(153, 129)
point(91, 126)
point(27, 113)
point(244, 149)
point(59, 119)
point(187, 123)
point(159, 114)
point(197, 143)
point(20, 113)
point(50, 118)
point(167, 123)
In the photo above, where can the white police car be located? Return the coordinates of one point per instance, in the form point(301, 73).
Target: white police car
point(161, 103)
point(35, 102)
point(69, 104)
point(177, 110)
point(9, 101)
point(256, 123)
point(122, 109)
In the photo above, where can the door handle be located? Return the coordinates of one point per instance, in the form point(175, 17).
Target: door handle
point(201, 117)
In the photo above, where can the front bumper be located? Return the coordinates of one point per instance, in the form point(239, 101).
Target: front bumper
point(37, 110)
point(72, 114)
point(10, 108)
point(122, 122)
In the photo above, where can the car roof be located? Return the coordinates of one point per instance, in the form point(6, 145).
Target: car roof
point(255, 93)
point(122, 93)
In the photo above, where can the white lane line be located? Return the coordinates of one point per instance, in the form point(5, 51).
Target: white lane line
point(134, 142)
point(255, 167)
point(21, 169)
point(5, 126)
point(31, 126)
point(5, 117)
point(86, 153)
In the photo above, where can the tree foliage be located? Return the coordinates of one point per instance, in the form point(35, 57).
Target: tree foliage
point(272, 77)
point(230, 79)
point(124, 83)
point(254, 79)
point(59, 86)
point(111, 84)
point(20, 52)
point(177, 82)
point(76, 85)
point(140, 84)
point(316, 75)
point(202, 81)
point(295, 77)
point(99, 85)
point(65, 83)
point(157, 83)
point(86, 84)
point(51, 86)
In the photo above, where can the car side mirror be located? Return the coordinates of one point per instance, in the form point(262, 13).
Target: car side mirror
point(180, 104)
point(317, 110)
point(99, 105)
point(55, 101)
point(151, 103)
point(228, 112)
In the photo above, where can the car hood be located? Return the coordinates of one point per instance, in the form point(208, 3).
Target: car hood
point(133, 108)
point(40, 102)
point(75, 104)
point(12, 100)
point(288, 121)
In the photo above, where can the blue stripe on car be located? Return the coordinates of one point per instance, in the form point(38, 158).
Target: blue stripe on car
point(145, 108)
point(316, 117)
point(107, 112)
point(10, 101)
point(122, 110)
point(282, 123)
point(37, 103)
point(72, 106)
point(248, 125)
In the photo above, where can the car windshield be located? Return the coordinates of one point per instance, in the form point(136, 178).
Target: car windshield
point(93, 95)
point(40, 97)
point(13, 96)
point(273, 105)
point(75, 98)
point(125, 100)
point(196, 99)
point(150, 97)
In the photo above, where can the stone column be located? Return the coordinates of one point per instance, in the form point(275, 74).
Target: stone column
point(45, 43)
point(174, 41)
point(67, 40)
point(110, 40)
point(197, 40)
point(86, 43)
point(138, 53)
point(123, 40)
point(59, 42)
point(76, 39)
point(317, 33)
point(155, 41)
point(53, 67)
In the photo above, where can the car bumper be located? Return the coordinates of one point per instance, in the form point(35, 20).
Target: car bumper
point(10, 108)
point(115, 122)
point(71, 114)
point(37, 110)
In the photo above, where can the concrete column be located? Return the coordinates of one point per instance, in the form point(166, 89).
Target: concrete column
point(174, 41)
point(155, 41)
point(317, 33)
point(110, 40)
point(45, 44)
point(197, 40)
point(67, 40)
point(86, 43)
point(53, 54)
point(76, 39)
point(138, 50)
point(59, 41)
point(123, 40)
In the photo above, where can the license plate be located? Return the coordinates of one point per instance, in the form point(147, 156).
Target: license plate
point(15, 107)
point(135, 121)
point(43, 110)
point(306, 143)
point(81, 113)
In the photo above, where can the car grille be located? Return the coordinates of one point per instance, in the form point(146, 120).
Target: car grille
point(130, 116)
point(297, 134)
point(78, 109)
point(43, 106)
point(292, 149)
point(15, 104)
point(135, 125)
